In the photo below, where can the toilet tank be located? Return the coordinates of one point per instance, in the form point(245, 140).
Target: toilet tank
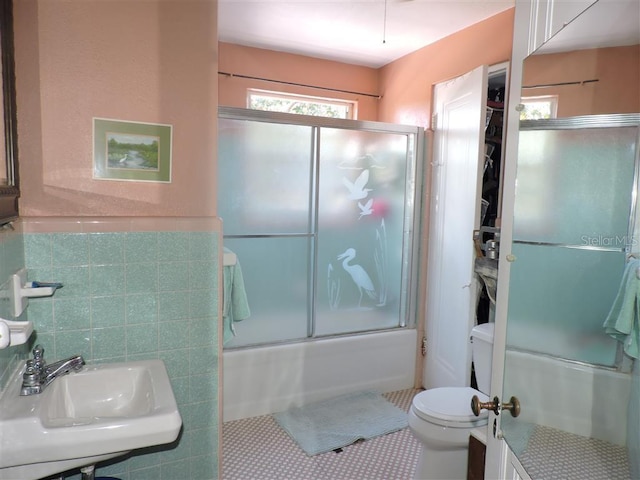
point(482, 351)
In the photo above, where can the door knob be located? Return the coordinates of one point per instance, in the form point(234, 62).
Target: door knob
point(494, 405)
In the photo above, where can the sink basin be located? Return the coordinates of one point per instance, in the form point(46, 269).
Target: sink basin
point(85, 417)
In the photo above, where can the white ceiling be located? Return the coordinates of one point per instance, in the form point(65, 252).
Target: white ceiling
point(362, 32)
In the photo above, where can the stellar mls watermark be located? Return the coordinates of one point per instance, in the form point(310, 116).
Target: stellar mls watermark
point(614, 241)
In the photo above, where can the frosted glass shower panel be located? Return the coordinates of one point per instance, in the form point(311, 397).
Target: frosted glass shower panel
point(266, 168)
point(559, 298)
point(361, 206)
point(574, 186)
point(275, 272)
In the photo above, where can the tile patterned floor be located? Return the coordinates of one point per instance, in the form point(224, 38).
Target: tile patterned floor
point(258, 449)
point(553, 454)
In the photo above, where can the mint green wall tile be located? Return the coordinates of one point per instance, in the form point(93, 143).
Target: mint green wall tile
point(72, 342)
point(201, 441)
point(203, 358)
point(151, 473)
point(72, 313)
point(173, 276)
point(203, 387)
point(145, 458)
point(180, 388)
point(70, 249)
point(203, 246)
point(174, 470)
point(179, 451)
point(141, 247)
point(173, 246)
point(203, 275)
point(75, 280)
point(177, 362)
point(141, 308)
point(13, 258)
point(106, 248)
point(200, 415)
point(165, 311)
point(142, 277)
point(142, 339)
point(107, 279)
point(173, 335)
point(108, 342)
point(134, 357)
point(40, 311)
point(41, 274)
point(111, 470)
point(107, 311)
point(202, 468)
point(174, 306)
point(37, 250)
point(109, 360)
point(45, 339)
point(204, 331)
point(203, 303)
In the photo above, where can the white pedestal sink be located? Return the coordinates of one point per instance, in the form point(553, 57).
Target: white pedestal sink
point(85, 417)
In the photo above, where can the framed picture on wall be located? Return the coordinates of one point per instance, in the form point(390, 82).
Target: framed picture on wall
point(131, 151)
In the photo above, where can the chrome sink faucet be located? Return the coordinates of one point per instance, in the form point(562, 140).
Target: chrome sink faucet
point(37, 374)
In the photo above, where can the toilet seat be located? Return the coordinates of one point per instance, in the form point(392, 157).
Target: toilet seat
point(449, 407)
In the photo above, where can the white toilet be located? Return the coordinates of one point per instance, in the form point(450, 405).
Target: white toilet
point(441, 418)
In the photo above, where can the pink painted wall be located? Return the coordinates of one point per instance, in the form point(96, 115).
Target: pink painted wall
point(272, 65)
point(153, 61)
point(406, 85)
point(617, 70)
point(157, 61)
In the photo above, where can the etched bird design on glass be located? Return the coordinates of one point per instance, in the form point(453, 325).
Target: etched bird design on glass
point(358, 274)
point(357, 190)
point(365, 209)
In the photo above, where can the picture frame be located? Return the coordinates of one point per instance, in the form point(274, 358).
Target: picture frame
point(131, 151)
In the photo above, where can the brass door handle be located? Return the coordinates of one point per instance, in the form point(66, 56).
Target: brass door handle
point(494, 405)
point(477, 405)
point(513, 406)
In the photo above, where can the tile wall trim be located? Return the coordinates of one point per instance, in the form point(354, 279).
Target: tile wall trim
point(117, 224)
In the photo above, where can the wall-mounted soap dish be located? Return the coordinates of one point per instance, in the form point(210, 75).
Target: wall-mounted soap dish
point(21, 291)
point(14, 333)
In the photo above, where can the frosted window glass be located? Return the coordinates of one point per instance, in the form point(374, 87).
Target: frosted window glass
point(361, 204)
point(574, 186)
point(275, 272)
point(559, 298)
point(265, 169)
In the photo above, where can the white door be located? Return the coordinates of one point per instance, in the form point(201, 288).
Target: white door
point(460, 106)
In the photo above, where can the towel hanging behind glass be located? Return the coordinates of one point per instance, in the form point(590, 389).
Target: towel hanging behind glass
point(635, 256)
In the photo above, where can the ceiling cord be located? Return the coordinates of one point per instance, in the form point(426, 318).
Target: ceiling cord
point(384, 24)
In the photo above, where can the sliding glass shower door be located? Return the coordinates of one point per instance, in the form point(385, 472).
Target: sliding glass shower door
point(320, 213)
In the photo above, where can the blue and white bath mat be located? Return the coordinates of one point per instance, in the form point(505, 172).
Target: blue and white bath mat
point(337, 422)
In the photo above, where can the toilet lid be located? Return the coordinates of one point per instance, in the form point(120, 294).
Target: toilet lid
point(449, 406)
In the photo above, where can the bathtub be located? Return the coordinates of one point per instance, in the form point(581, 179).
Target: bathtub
point(581, 399)
point(263, 380)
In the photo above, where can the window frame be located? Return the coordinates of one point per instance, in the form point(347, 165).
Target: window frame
point(350, 105)
point(552, 100)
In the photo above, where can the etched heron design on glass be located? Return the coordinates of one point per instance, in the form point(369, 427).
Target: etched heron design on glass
point(358, 274)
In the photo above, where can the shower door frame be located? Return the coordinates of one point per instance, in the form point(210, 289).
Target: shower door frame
point(618, 120)
point(412, 216)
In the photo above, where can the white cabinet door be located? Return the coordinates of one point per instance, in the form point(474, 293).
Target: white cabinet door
point(547, 17)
